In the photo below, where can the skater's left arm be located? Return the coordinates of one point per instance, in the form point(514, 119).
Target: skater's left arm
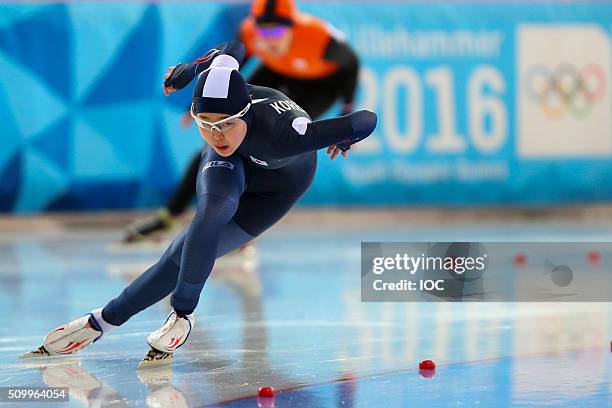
point(230, 54)
point(300, 134)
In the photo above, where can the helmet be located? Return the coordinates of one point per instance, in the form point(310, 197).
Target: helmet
point(220, 90)
point(274, 11)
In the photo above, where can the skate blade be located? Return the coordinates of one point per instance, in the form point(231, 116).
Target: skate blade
point(155, 358)
point(39, 352)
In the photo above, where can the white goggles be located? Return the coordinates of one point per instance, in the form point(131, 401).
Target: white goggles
point(221, 125)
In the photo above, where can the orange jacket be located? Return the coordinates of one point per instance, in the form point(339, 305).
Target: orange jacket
point(305, 59)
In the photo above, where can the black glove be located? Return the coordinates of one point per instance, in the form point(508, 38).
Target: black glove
point(180, 76)
point(363, 123)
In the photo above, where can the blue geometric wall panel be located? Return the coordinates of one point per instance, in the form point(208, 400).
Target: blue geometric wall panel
point(85, 125)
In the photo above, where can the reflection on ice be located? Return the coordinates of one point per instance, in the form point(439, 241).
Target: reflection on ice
point(290, 316)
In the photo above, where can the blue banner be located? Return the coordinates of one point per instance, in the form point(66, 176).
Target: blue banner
point(479, 104)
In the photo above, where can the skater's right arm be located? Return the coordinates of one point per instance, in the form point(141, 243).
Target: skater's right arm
point(181, 75)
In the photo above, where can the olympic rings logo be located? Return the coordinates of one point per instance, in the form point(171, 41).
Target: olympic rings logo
point(566, 89)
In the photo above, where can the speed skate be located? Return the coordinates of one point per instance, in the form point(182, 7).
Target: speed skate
point(70, 338)
point(167, 339)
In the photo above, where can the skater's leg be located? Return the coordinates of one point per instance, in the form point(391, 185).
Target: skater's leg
point(272, 193)
point(232, 237)
point(161, 279)
point(219, 187)
point(149, 288)
point(186, 190)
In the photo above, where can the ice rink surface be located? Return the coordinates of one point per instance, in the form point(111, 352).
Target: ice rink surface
point(290, 316)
